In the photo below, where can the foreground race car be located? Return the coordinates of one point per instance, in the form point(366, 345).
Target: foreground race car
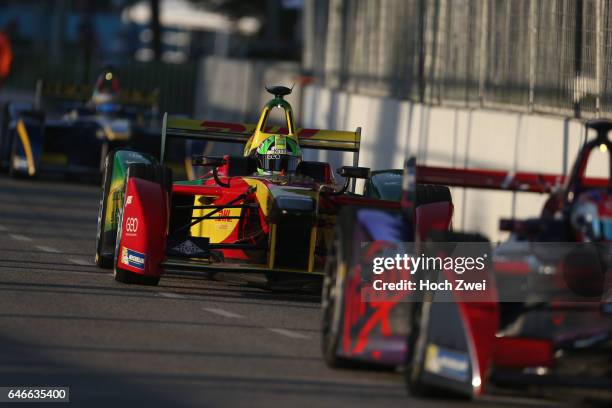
point(391, 330)
point(548, 321)
point(267, 211)
point(73, 137)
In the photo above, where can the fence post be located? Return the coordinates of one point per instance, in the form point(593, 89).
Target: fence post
point(598, 54)
point(421, 37)
point(577, 57)
point(483, 52)
point(533, 31)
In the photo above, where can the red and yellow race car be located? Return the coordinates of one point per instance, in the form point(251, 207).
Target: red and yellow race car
point(266, 211)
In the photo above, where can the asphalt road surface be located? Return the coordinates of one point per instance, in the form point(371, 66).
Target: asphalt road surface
point(188, 342)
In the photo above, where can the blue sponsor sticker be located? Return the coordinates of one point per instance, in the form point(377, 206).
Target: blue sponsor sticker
point(132, 258)
point(607, 308)
point(447, 363)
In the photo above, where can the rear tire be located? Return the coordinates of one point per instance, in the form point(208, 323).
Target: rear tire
point(432, 193)
point(156, 174)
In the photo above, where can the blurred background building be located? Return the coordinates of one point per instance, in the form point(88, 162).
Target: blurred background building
point(153, 43)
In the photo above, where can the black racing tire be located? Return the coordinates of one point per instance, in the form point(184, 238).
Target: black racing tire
point(5, 145)
point(419, 316)
point(150, 172)
point(431, 193)
point(333, 289)
point(104, 259)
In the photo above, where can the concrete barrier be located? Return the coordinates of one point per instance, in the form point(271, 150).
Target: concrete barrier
point(457, 137)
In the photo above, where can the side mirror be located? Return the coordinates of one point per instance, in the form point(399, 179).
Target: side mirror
point(522, 227)
point(209, 161)
point(354, 172)
point(351, 172)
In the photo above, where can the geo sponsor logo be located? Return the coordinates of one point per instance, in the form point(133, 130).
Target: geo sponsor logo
point(132, 258)
point(131, 224)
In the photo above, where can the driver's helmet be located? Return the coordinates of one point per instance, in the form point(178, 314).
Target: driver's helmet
point(278, 154)
point(106, 90)
point(592, 216)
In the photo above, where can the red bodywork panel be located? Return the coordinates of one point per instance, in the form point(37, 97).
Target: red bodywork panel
point(144, 227)
point(519, 352)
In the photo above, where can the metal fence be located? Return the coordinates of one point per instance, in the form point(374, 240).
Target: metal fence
point(550, 56)
point(176, 83)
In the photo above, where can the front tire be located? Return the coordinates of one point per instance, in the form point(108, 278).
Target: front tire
point(105, 240)
point(336, 270)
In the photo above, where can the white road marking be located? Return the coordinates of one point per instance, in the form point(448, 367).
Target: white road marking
point(223, 313)
point(47, 249)
point(3, 228)
point(171, 295)
point(288, 333)
point(79, 262)
point(20, 237)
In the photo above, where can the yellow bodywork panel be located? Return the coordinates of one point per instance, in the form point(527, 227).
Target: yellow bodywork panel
point(262, 193)
point(217, 229)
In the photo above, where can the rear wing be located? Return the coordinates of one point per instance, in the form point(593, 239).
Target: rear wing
point(206, 130)
point(490, 179)
point(75, 92)
point(499, 179)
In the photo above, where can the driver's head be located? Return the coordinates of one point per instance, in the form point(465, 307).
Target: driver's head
point(106, 89)
point(591, 216)
point(278, 154)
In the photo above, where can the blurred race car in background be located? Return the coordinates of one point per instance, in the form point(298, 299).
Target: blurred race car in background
point(551, 324)
point(265, 211)
point(76, 128)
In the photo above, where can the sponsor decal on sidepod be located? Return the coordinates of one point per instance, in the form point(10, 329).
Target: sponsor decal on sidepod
point(446, 363)
point(132, 258)
point(131, 226)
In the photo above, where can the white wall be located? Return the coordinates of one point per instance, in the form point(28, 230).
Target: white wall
point(445, 136)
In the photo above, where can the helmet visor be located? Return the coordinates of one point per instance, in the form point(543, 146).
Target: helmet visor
point(278, 162)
